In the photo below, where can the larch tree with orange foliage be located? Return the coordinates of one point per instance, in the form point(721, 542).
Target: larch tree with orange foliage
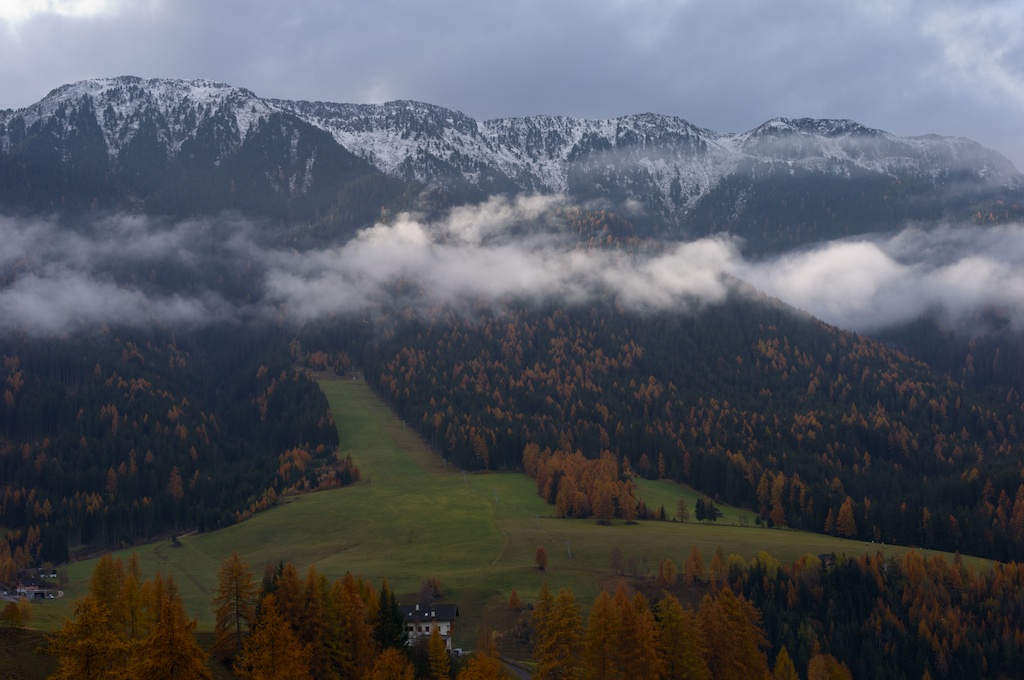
point(288, 597)
point(559, 646)
point(784, 668)
point(827, 667)
point(635, 650)
point(170, 650)
point(541, 558)
point(272, 651)
point(233, 607)
point(846, 525)
point(682, 641)
point(351, 628)
point(735, 639)
point(694, 567)
point(437, 653)
point(87, 647)
point(604, 628)
point(313, 630)
point(392, 664)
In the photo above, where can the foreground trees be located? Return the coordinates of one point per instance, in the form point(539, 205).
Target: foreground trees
point(125, 629)
point(626, 640)
point(902, 618)
point(273, 651)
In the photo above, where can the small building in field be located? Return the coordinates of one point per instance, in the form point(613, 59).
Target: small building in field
point(419, 620)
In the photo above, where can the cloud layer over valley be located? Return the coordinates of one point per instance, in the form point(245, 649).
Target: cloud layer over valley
point(137, 271)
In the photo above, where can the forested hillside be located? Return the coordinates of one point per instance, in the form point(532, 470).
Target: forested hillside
point(750, 402)
point(124, 434)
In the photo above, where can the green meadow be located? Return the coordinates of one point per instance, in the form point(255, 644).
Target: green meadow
point(412, 517)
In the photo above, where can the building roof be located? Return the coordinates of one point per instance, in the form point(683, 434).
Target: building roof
point(414, 613)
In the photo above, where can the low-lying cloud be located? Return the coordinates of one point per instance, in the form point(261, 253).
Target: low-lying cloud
point(138, 271)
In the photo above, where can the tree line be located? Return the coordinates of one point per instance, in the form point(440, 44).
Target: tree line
point(284, 626)
point(902, 617)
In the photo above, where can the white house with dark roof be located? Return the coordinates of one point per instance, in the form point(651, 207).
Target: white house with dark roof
point(419, 620)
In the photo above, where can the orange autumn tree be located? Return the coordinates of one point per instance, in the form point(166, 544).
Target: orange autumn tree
point(392, 664)
point(170, 650)
point(735, 638)
point(541, 558)
point(122, 628)
point(682, 641)
point(559, 645)
point(353, 605)
point(86, 646)
point(604, 626)
point(234, 607)
point(437, 652)
point(694, 567)
point(272, 650)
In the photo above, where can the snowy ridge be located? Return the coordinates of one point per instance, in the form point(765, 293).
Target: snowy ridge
point(122, 105)
point(540, 153)
point(664, 162)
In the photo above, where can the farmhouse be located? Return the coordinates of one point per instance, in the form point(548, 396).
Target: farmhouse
point(420, 620)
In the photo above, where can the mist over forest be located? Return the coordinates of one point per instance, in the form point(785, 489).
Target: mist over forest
point(136, 270)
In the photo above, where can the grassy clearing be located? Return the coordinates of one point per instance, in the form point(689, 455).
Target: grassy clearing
point(412, 517)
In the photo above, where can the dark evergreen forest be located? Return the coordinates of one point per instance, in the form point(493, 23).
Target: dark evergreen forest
point(113, 437)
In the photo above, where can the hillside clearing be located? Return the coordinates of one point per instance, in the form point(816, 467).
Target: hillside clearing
point(413, 517)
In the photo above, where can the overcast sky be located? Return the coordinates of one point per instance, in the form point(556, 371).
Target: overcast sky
point(950, 67)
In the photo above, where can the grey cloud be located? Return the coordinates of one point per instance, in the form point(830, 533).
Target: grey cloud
point(865, 285)
point(131, 270)
point(909, 67)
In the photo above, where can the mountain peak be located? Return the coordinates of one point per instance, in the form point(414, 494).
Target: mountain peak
point(672, 168)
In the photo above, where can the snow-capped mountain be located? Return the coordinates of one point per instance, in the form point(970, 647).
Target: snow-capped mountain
point(677, 177)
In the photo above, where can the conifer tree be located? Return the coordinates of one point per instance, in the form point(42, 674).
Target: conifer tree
point(10, 616)
point(718, 567)
point(170, 650)
point(351, 627)
point(313, 629)
point(272, 651)
point(541, 558)
point(666, 573)
point(131, 600)
point(558, 652)
point(87, 647)
point(682, 642)
point(390, 632)
point(437, 652)
point(827, 667)
point(392, 664)
point(683, 510)
point(845, 524)
point(602, 638)
point(233, 606)
point(649, 660)
point(542, 612)
point(291, 601)
point(694, 567)
point(784, 668)
point(732, 626)
point(105, 583)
